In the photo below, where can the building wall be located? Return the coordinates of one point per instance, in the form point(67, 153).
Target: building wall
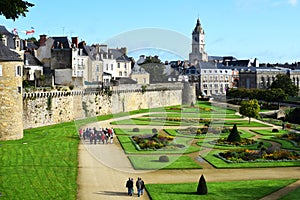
point(61, 58)
point(11, 126)
point(140, 78)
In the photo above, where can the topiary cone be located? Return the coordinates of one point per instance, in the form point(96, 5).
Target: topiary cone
point(202, 188)
point(234, 135)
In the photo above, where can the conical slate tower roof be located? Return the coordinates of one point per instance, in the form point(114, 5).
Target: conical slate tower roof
point(7, 55)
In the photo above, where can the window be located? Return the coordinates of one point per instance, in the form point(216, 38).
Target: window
point(0, 70)
point(111, 66)
point(18, 71)
point(97, 68)
point(125, 73)
point(125, 66)
point(120, 73)
point(19, 90)
point(118, 65)
point(145, 80)
point(106, 67)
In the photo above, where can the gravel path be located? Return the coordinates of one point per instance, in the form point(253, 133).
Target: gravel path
point(104, 170)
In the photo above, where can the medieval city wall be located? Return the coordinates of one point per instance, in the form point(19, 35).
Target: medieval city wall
point(46, 108)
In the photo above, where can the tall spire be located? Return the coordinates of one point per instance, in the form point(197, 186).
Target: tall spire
point(198, 27)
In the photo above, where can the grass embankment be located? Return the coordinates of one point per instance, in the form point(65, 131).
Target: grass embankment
point(42, 165)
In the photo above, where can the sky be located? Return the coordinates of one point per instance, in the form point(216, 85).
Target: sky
point(246, 29)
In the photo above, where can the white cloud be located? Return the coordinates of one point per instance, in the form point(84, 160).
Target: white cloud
point(293, 2)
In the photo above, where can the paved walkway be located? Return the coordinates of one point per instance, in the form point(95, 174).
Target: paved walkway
point(104, 170)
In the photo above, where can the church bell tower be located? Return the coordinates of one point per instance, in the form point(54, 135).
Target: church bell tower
point(198, 45)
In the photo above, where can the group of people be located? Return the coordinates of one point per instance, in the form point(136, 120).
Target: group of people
point(140, 186)
point(103, 135)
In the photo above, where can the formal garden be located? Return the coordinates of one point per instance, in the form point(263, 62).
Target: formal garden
point(43, 165)
point(189, 131)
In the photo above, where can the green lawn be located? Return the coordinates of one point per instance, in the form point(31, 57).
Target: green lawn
point(285, 144)
point(219, 163)
point(119, 131)
point(173, 132)
point(147, 162)
point(292, 195)
point(269, 132)
point(233, 190)
point(130, 148)
point(193, 115)
point(164, 122)
point(42, 165)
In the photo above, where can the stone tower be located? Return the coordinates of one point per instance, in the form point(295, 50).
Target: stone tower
point(188, 93)
point(198, 45)
point(11, 106)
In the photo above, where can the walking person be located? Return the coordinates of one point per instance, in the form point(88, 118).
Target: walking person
point(129, 185)
point(103, 137)
point(143, 186)
point(138, 185)
point(111, 135)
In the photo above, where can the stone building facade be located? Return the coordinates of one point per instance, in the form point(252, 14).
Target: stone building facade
point(11, 67)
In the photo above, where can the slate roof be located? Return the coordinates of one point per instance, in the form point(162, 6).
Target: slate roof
point(4, 31)
point(9, 35)
point(119, 55)
point(61, 40)
point(32, 60)
point(7, 55)
point(198, 27)
point(31, 45)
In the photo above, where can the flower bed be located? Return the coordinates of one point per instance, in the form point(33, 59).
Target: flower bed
point(188, 120)
point(246, 155)
point(204, 130)
point(295, 137)
point(242, 142)
point(155, 142)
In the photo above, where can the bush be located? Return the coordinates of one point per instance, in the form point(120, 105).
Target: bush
point(202, 188)
point(163, 159)
point(234, 135)
point(71, 87)
point(135, 130)
point(154, 130)
point(275, 130)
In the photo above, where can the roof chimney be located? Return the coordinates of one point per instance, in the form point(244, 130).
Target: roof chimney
point(43, 39)
point(75, 41)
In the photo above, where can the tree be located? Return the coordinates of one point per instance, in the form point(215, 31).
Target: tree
point(249, 108)
point(202, 188)
point(156, 72)
point(234, 135)
point(12, 9)
point(284, 82)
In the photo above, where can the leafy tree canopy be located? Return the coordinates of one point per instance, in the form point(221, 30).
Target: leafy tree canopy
point(12, 9)
point(249, 108)
point(284, 82)
point(32, 39)
point(156, 72)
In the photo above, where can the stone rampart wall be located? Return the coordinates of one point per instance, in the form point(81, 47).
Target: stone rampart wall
point(46, 108)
